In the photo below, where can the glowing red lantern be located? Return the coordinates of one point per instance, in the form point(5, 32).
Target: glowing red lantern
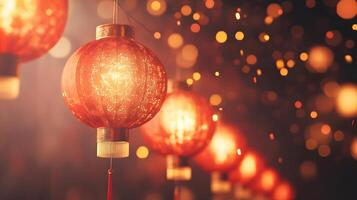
point(113, 84)
point(224, 151)
point(28, 29)
point(283, 191)
point(266, 181)
point(248, 169)
point(183, 127)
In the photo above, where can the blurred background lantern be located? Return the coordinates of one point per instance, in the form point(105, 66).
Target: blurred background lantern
point(28, 29)
point(222, 154)
point(113, 84)
point(266, 181)
point(250, 166)
point(283, 191)
point(182, 128)
point(224, 151)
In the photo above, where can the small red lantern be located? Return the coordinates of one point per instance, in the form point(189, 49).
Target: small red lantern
point(28, 29)
point(266, 181)
point(224, 151)
point(183, 127)
point(222, 154)
point(283, 191)
point(248, 169)
point(113, 84)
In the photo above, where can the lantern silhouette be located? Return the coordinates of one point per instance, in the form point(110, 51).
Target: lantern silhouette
point(28, 29)
point(248, 169)
point(113, 84)
point(183, 127)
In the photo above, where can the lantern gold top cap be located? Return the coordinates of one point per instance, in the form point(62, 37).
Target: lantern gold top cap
point(114, 30)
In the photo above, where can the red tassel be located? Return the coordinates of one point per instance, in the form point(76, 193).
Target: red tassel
point(109, 192)
point(177, 193)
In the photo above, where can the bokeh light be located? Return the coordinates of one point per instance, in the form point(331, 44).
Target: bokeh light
point(186, 10)
point(175, 40)
point(353, 148)
point(308, 170)
point(221, 37)
point(283, 191)
point(142, 152)
point(267, 180)
point(346, 9)
point(104, 9)
point(324, 150)
point(156, 7)
point(346, 100)
point(274, 10)
point(320, 59)
point(239, 35)
point(215, 99)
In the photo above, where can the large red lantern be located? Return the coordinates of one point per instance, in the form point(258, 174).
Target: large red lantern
point(183, 127)
point(266, 181)
point(224, 151)
point(248, 169)
point(113, 84)
point(28, 29)
point(283, 191)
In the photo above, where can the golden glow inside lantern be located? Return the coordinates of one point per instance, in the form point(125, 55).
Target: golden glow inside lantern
point(113, 84)
point(320, 59)
point(283, 191)
point(250, 166)
point(224, 151)
point(183, 127)
point(266, 181)
point(28, 29)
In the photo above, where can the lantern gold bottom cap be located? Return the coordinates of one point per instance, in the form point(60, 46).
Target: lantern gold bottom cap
point(9, 87)
point(179, 173)
point(113, 149)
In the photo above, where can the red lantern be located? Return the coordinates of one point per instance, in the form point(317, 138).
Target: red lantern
point(248, 169)
point(283, 191)
point(113, 84)
point(266, 181)
point(224, 151)
point(183, 127)
point(28, 29)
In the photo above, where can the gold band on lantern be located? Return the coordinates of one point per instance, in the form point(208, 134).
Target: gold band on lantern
point(114, 30)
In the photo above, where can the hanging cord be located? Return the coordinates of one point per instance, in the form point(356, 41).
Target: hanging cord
point(177, 190)
point(110, 170)
point(115, 11)
point(129, 17)
point(110, 181)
